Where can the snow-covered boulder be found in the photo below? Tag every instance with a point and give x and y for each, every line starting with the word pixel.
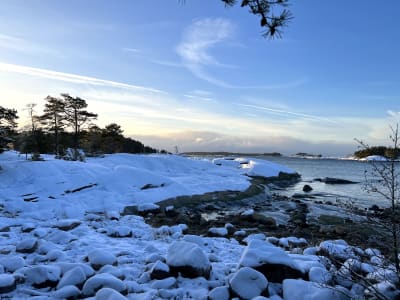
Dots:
pixel 219 293
pixel 303 290
pixel 217 231
pixel 119 231
pixel 67 292
pixel 188 259
pixel 28 245
pixel 248 283
pixel 65 267
pixel 163 284
pixel 338 250
pixel 319 275
pixel 159 270
pixel 7 283
pixel 270 260
pixel 93 284
pixel 75 276
pixel 109 294
pixel 99 258
pixel 43 276
pixel 12 263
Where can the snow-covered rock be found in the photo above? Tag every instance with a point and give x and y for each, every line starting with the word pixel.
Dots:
pixel 98 258
pixel 28 245
pixel 270 260
pixel 218 231
pixel 43 275
pixel 67 292
pixel 165 283
pixel 159 270
pixel 248 283
pixel 12 263
pixel 219 293
pixel 303 290
pixel 93 284
pixel 7 283
pixel 319 275
pixel 119 231
pixel 76 276
pixel 188 259
pixel 109 294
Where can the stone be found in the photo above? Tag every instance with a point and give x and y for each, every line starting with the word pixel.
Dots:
pixel 99 281
pixel 303 290
pixel 76 276
pixel 99 258
pixel 7 283
pixel 219 293
pixel 28 245
pixel 307 188
pixel 272 261
pixel 43 276
pixel 248 283
pixel 159 271
pixel 67 224
pixel 188 259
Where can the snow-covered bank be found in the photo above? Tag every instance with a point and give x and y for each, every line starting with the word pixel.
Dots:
pixel 62 236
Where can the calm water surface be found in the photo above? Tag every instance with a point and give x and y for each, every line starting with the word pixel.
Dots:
pixel 310 169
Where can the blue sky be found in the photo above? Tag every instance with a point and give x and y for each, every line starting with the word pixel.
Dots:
pixel 200 76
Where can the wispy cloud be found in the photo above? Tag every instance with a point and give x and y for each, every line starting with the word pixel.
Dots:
pixel 394 114
pixel 22 45
pixel 73 78
pixel 195 51
pixel 287 113
pixel 131 50
pixel 197 41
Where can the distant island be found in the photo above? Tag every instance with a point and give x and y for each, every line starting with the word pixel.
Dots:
pixel 224 153
pixel 387 152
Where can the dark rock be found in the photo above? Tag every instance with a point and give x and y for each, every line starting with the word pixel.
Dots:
pixel 67 224
pixel 151 186
pixel 5 229
pixel 265 220
pixel 130 210
pixel 307 188
pixel 331 180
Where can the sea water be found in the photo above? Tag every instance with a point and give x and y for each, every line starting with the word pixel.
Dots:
pixel 352 170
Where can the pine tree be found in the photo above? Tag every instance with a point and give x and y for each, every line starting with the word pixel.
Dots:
pixel 7 124
pixel 54 119
pixel 76 117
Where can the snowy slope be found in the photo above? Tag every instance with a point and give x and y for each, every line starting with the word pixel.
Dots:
pixel 76 245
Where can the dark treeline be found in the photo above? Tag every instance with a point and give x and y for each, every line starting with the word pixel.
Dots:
pixel 378 150
pixel 65 124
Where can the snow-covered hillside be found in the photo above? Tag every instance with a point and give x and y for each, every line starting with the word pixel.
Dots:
pixel 62 237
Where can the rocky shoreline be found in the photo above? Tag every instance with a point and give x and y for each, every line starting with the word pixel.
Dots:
pixel 261 209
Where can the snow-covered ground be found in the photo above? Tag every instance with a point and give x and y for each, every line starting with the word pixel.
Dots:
pixel 62 236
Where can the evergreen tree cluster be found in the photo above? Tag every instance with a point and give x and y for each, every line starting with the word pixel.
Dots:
pixel 65 124
pixel 387 152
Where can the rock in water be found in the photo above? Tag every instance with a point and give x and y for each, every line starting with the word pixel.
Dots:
pixel 307 188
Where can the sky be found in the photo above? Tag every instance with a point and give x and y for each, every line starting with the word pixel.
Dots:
pixel 200 76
